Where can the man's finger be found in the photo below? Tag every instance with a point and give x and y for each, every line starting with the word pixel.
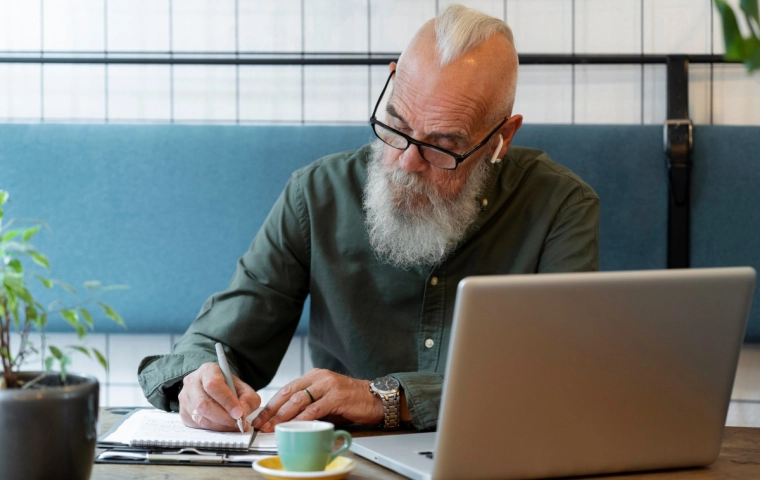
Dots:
pixel 315 411
pixel 207 406
pixel 216 387
pixel 298 402
pixel 195 420
pixel 249 399
pixel 279 399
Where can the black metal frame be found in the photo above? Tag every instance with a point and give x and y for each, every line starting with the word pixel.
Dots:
pixel 309 58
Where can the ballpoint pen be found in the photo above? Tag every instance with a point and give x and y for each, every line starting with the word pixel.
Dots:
pixel 222 358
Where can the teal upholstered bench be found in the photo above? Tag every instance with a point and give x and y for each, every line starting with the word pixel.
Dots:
pixel 168 209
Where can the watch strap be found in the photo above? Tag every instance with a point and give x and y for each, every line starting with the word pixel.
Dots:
pixel 391 408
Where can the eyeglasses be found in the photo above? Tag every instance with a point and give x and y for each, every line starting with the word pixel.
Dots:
pixel 436 156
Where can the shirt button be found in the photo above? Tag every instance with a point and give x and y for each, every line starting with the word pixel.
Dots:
pixel 429 343
pixel 434 281
pixel 484 202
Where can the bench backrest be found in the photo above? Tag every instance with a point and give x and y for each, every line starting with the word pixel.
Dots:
pixel 168 209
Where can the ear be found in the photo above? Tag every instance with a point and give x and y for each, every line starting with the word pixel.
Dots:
pixel 508 131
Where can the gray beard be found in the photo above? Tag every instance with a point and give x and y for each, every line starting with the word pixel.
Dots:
pixel 405 236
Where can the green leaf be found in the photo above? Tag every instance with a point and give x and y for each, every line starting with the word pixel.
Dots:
pixel 3 197
pixel 43 320
pixel 8 236
pixel 86 316
pixel 49 363
pixel 81 331
pixel 16 266
pixel 752 54
pixel 111 313
pixel 45 281
pixel 39 259
pixel 29 232
pixel 101 358
pixel 8 289
pixel 92 285
pixel 70 316
pixel 731 34
pixel 65 361
pixel 750 9
pixel 56 352
pixel 15 288
pixel 81 349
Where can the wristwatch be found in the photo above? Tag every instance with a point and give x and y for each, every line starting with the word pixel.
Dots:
pixel 389 391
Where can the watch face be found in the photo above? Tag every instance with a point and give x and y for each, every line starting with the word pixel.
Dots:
pixel 386 384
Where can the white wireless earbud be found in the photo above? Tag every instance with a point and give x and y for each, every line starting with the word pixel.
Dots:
pixel 495 158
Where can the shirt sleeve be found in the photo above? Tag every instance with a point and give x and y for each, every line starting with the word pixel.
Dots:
pixel 423 396
pixel 572 244
pixel 255 317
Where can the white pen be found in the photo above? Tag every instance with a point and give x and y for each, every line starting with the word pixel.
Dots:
pixel 222 358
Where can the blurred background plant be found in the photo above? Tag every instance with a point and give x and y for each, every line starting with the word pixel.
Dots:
pixel 20 313
pixel 740 48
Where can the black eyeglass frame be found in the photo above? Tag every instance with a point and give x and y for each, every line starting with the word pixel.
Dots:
pixel 410 141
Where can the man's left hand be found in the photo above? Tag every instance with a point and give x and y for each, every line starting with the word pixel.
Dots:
pixel 336 396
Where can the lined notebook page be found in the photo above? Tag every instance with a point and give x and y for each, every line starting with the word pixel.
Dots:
pixel 156 428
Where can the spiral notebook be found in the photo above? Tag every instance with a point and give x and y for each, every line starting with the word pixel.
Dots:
pixel 150 428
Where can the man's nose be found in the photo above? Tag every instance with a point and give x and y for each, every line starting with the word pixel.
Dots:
pixel 411 161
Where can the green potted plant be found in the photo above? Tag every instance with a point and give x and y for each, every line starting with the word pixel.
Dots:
pixel 48 419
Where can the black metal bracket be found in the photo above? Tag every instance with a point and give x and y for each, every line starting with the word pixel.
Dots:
pixel 678 143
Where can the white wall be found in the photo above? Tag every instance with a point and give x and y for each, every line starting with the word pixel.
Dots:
pixel 719 94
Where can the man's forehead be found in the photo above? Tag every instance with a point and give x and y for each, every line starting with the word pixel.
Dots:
pixel 455 134
pixel 433 100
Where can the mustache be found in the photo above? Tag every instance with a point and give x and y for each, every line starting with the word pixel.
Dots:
pixel 410 186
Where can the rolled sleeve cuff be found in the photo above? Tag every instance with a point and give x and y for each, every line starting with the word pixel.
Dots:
pixel 423 397
pixel 159 375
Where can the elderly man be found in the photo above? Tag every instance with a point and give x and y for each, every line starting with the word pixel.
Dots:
pixel 380 237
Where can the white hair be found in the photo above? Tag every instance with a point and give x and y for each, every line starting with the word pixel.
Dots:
pixel 403 235
pixel 459 29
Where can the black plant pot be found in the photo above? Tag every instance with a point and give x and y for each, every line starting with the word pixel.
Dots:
pixel 50 431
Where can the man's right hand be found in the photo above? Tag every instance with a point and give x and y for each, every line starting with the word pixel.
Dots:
pixel 207 402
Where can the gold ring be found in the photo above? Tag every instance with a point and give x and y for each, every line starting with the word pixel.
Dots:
pixel 309 394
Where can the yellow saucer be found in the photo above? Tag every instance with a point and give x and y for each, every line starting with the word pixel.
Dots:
pixel 271 468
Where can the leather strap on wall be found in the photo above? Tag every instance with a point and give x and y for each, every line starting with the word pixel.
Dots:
pixel 678 145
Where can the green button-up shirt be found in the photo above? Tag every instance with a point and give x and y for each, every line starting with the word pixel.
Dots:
pixel 369 318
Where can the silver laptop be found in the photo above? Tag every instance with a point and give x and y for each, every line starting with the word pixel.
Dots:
pixel 581 374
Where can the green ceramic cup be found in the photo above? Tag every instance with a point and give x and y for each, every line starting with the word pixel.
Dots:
pixel 308 446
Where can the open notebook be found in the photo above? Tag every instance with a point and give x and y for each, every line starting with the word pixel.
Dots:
pixel 158 429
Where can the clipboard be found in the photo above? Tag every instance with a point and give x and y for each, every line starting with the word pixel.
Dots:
pixel 107 452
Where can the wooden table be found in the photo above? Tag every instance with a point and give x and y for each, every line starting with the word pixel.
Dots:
pixel 739 460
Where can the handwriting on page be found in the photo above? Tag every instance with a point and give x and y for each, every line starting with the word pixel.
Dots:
pixel 167 429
